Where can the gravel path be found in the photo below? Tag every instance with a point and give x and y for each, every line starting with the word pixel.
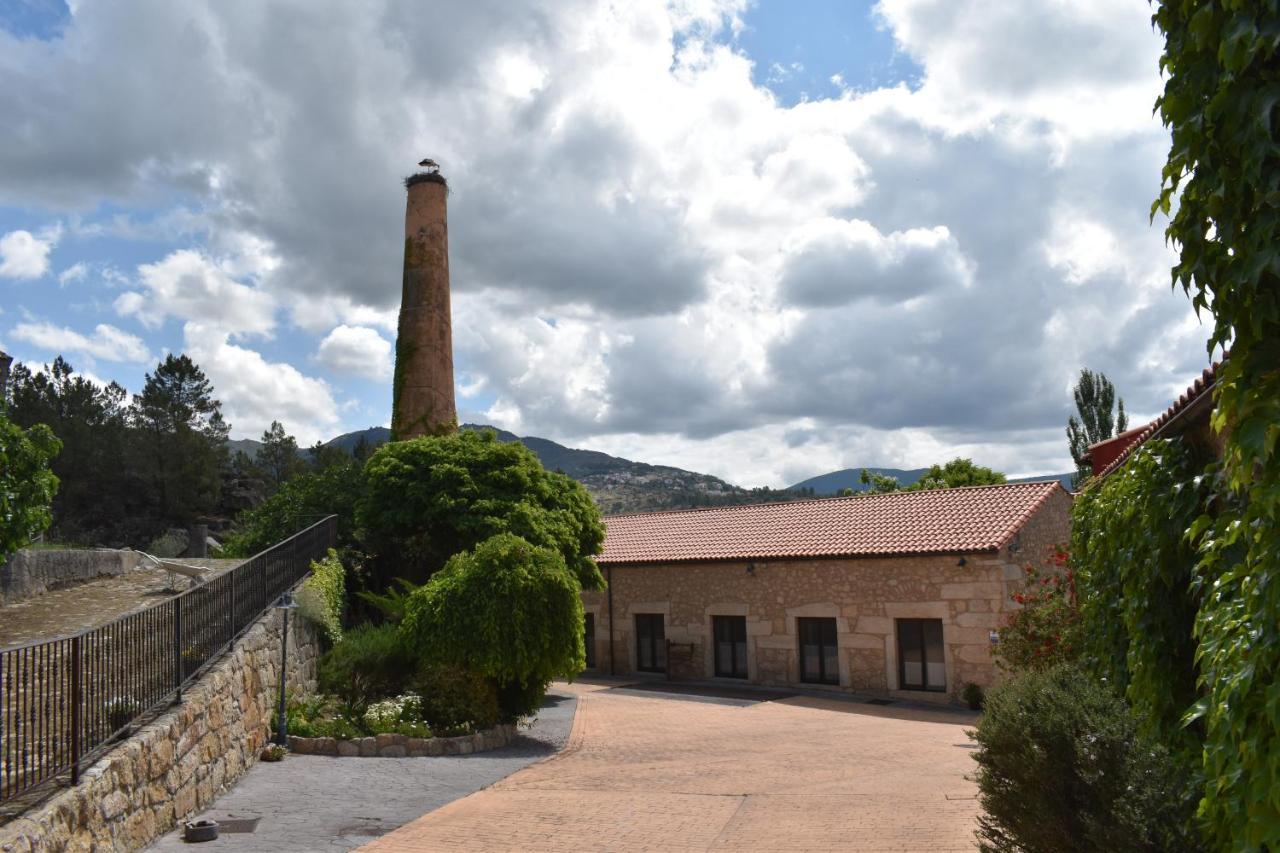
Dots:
pixel 309 802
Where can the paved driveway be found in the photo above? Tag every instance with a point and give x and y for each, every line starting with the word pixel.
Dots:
pixel 645 770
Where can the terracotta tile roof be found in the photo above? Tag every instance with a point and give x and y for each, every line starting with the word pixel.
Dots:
pixel 1199 395
pixel 979 518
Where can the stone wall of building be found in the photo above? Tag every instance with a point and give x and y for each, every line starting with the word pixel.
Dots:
pixel 865 596
pixel 34 572
pixel 176 765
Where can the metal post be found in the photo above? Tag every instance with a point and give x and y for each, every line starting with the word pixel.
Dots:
pixel 177 650
pixel 282 729
pixel 76 700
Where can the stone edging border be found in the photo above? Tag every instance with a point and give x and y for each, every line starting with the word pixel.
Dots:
pixel 403 746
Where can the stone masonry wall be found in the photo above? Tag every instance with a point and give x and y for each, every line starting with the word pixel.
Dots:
pixel 865 596
pixel 34 572
pixel 177 765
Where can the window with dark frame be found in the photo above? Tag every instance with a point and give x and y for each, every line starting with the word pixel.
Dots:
pixel 651 643
pixel 819 658
pixel 589 639
pixel 921 664
pixel 730 646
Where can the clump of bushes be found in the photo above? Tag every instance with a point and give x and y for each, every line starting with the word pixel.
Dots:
pixel 322 596
pixel 371 662
pixel 1063 767
pixel 508 610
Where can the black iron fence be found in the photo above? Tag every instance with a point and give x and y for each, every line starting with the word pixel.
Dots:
pixel 64 702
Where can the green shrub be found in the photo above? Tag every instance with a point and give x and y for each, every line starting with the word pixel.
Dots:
pixel 1062 767
pixel 1045 630
pixel 974 696
pixel 435 496
pixel 508 610
pixel 322 597
pixel 371 662
pixel 452 697
pixel 390 604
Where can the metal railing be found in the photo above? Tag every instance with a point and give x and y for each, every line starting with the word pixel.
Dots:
pixel 64 702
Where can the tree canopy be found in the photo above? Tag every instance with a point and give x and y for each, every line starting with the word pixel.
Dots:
pixel 951 475
pixel 1098 420
pixel 506 609
pixel 27 485
pixel 431 497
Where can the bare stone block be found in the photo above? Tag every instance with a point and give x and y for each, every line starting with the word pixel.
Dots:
pixel 394 750
pixel 326 746
pixel 368 747
pixel 114 804
pixel 348 748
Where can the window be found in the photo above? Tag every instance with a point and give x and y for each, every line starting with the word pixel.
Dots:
pixel 819 660
pixel 920 662
pixel 651 643
pixel 589 639
pixel 731 645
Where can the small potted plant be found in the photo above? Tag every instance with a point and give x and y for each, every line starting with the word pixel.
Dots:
pixel 973 696
pixel 272 752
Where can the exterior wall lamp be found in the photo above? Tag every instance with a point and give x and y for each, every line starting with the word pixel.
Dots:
pixel 284 605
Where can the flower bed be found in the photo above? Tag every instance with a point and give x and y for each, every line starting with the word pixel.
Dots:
pixel 404 746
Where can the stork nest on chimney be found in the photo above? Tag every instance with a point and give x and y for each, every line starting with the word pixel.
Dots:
pixel 425 177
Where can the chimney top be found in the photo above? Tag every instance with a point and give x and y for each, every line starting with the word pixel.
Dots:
pixel 431 175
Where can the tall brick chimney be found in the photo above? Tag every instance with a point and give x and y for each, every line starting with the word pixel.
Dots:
pixel 422 402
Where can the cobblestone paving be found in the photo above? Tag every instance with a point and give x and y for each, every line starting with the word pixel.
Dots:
pixel 310 802
pixel 652 771
pixel 75 608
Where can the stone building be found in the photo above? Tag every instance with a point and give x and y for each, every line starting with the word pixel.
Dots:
pixel 898 594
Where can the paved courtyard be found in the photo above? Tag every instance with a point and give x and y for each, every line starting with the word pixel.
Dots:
pixel 647 770
pixel 311 802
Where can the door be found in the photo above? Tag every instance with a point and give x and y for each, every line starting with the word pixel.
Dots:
pixel 731 646
pixel 651 643
pixel 921 664
pixel 819 658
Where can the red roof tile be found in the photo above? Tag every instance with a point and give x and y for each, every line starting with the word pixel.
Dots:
pixel 979 518
pixel 1199 394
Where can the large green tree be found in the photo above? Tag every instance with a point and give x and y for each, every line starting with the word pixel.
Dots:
pixel 27 484
pixel 278 458
pixel 1096 405
pixel 432 497
pixel 1221 103
pixel 183 440
pixel 99 496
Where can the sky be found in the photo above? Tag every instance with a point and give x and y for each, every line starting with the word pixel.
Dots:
pixel 762 240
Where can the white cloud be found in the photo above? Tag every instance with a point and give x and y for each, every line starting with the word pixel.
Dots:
pixel 255 391
pixel 648 251
pixel 26 255
pixel 75 272
pixel 107 342
pixel 356 350
pixel 188 285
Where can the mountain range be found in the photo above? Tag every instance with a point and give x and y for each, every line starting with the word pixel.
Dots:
pixel 622 485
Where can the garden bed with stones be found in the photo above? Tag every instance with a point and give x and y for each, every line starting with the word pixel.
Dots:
pixel 403 746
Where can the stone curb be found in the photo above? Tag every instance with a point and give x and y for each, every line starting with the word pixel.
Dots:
pixel 403 746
